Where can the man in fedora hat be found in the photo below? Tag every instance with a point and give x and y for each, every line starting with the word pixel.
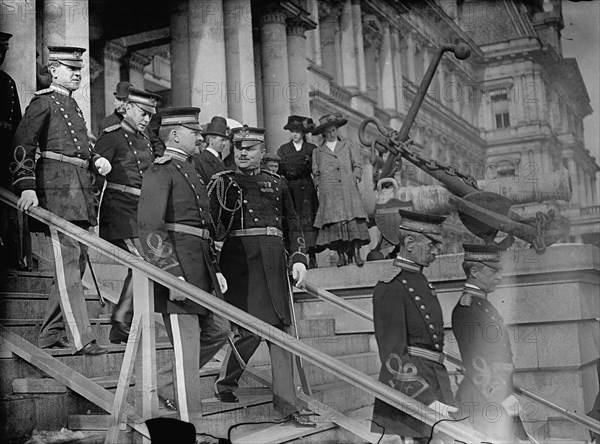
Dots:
pixel 176 234
pixel 14 234
pixel 337 170
pixel 255 209
pixel 63 177
pixel 127 147
pixel 209 162
pixel 409 330
pixel 487 358
pixel 296 167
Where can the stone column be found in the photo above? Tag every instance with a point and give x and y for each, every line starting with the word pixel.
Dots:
pixel 348 46
pixel 589 190
pixel 298 68
pixel 455 94
pixel 397 62
pixel 66 23
pixel 314 36
pixel 113 55
pixel 241 88
pixel 410 56
pixel 329 30
pixel 388 92
pixel 275 77
pixel 360 46
pixel 574 181
pixel 137 63
pixel 180 54
pixel 581 188
pixel 19 19
pixel 208 76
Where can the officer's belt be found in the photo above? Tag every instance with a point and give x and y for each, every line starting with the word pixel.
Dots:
pixel 67 159
pixel 426 354
pixel 267 231
pixel 202 233
pixel 124 188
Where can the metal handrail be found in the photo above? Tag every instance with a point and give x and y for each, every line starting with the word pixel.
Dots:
pixel 584 421
pixel 234 314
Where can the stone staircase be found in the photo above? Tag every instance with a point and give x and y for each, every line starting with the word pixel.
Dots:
pixel 23 299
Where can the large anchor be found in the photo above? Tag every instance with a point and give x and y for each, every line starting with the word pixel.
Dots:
pixel 483 213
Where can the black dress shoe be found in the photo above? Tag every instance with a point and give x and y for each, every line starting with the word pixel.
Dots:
pixel 61 343
pixel 168 403
pixel 228 397
pixel 119 332
pixel 92 348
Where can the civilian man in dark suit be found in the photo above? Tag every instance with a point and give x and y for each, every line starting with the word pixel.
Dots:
pixel 209 161
pixel 63 177
pixel 484 343
pixel 409 329
pixel 176 235
pixel 128 149
pixel 253 206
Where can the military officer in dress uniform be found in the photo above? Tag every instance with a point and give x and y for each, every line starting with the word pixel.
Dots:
pixel 409 330
pixel 253 206
pixel 17 245
pixel 484 343
pixel 209 161
pixel 175 234
pixel 63 177
pixel 128 149
pixel 121 98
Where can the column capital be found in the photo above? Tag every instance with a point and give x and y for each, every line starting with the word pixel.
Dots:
pixel 138 61
pixel 272 15
pixel 330 10
pixel 296 27
pixel 114 52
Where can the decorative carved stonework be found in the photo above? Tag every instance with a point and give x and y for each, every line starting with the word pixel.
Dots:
pixel 296 27
pixel 330 10
pixel 138 61
pixel 114 52
pixel 272 15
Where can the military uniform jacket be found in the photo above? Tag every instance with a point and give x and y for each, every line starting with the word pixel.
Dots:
pixel 116 118
pixel 10 116
pixel 173 193
pixel 484 343
pixel 130 154
pixel 256 266
pixel 207 164
pixel 54 121
pixel 406 313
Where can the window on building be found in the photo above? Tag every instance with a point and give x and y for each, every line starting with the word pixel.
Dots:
pixel 500 105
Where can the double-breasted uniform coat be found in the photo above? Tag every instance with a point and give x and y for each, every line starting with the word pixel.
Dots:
pixel 484 343
pixel 173 193
pixel 409 330
pixel 296 167
pixel 255 266
pixel 54 122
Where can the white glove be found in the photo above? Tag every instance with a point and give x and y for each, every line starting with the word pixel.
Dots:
pixel 511 405
pixel 103 166
pixel 442 409
pixel 298 273
pixel 222 282
pixel 174 295
pixel 28 199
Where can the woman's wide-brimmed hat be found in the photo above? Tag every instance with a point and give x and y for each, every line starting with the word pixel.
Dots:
pixel 327 120
pixel 299 123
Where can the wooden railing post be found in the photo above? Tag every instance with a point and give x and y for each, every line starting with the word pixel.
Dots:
pixel 146 399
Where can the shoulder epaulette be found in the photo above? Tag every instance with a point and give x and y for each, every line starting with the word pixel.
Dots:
pixel 271 173
pixel 221 173
pixel 111 128
pixel 161 160
pixel 44 91
pixel 466 299
pixel 391 274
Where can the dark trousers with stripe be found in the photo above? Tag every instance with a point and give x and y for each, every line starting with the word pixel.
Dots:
pixel 123 311
pixel 195 340
pixel 66 301
pixel 282 369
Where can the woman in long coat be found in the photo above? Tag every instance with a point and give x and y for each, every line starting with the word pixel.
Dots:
pixel 337 170
pixel 296 167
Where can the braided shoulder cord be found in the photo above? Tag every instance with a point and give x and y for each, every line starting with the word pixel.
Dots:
pixel 221 190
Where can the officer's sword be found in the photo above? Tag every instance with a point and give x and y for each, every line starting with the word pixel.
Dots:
pixel 305 385
pixel 100 297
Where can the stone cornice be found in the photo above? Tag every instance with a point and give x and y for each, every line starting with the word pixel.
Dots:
pixel 138 61
pixel 114 52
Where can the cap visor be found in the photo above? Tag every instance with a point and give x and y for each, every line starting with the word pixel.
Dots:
pixel 193 126
pixel 148 109
pixel 249 143
pixel 72 63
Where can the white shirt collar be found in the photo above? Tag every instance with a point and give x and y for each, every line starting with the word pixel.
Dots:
pixel 213 152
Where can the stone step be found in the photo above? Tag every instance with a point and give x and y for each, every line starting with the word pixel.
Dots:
pixel 24 282
pixel 33 305
pixel 367 363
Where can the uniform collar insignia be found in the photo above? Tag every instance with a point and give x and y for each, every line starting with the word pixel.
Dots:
pixel 469 292
pixel 61 89
pixel 176 153
pixel 405 264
